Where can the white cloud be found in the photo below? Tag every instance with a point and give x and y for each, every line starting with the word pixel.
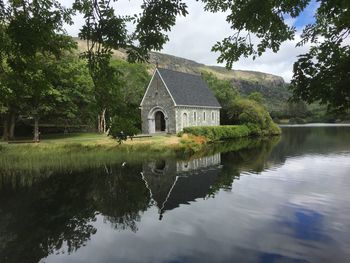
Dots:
pixel 194 35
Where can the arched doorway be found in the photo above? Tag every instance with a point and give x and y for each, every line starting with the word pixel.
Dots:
pixel 159 121
pixel 184 120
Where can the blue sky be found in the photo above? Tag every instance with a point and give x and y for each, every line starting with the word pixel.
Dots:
pixel 307 16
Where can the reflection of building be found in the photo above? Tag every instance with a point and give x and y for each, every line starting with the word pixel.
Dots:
pixel 172 183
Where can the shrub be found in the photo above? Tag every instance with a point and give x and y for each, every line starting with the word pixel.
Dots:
pixel 256 96
pixel 122 128
pixel 255 116
pixel 225 132
pixel 274 129
pixel 191 143
pixel 215 133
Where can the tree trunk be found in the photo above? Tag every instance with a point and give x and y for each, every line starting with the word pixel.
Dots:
pixel 36 129
pixel 12 126
pixel 98 123
pixel 102 121
pixel 5 133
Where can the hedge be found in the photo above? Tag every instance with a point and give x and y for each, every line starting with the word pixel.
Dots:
pixel 224 132
pixel 215 133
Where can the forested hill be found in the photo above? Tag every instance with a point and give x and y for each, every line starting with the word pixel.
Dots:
pixel 272 87
pixel 274 90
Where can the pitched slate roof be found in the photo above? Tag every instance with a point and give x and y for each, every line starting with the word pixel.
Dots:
pixel 188 89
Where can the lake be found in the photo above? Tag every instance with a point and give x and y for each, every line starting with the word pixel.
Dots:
pixel 284 199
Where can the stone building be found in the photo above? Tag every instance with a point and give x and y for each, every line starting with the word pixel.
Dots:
pixel 174 100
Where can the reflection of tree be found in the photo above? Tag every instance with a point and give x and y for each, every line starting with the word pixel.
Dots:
pixel 120 195
pixel 222 147
pixel 253 158
pixel 38 220
pixel 293 139
pixel 308 140
pixel 57 213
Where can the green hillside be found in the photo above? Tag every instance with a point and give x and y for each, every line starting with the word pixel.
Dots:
pixel 273 88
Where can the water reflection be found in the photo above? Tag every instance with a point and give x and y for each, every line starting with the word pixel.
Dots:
pixel 273 201
pixel 172 183
pixel 302 140
pixel 59 211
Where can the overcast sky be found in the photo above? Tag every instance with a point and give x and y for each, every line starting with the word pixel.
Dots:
pixel 193 36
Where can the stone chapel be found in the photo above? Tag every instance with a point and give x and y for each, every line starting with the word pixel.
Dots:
pixel 174 100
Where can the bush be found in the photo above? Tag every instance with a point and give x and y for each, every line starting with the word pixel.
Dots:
pixel 122 128
pixel 255 116
pixel 225 132
pixel 215 133
pixel 191 143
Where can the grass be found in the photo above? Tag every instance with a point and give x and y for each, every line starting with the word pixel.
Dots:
pixel 61 144
pixel 96 140
pixel 80 150
pixel 76 152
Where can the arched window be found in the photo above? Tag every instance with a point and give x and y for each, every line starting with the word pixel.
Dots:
pixel 184 120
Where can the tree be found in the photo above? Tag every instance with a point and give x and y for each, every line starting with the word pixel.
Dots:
pixel 224 92
pixel 35 30
pixel 4 70
pixel 320 75
pixel 256 96
pixel 104 31
pixel 323 74
pixel 297 109
pixel 134 79
pixel 73 100
pixel 122 128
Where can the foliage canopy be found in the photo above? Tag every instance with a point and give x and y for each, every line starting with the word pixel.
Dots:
pixel 320 75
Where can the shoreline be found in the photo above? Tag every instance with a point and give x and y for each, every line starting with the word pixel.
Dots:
pixel 85 151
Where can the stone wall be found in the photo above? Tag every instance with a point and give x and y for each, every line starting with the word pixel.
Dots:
pixel 157 98
pixel 196 116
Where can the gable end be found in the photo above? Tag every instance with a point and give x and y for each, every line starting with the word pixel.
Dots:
pixel 155 74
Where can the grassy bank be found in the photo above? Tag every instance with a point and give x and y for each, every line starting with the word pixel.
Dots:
pixel 89 149
pixel 94 140
pixel 82 151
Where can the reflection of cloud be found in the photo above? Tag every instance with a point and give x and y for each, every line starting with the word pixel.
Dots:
pixel 271 258
pixel 243 225
pixel 306 224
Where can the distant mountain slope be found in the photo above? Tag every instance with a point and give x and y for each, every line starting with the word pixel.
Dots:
pixel 273 87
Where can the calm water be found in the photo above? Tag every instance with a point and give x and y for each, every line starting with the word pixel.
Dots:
pixel 281 200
